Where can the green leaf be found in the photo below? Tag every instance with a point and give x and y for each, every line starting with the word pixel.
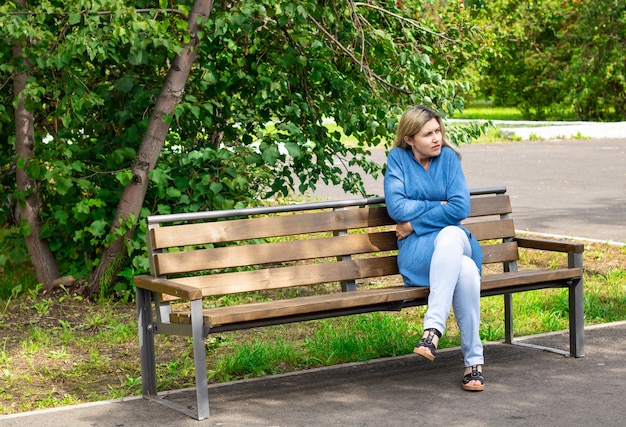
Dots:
pixel 216 187
pixel 74 18
pixel 25 228
pixel 163 209
pixel 173 192
pixel 195 110
pixel 137 57
pixel 98 228
pixel 125 84
pixel 293 149
pixel 271 155
pixel 124 177
pixel 158 177
pixel 62 184
pixel 61 216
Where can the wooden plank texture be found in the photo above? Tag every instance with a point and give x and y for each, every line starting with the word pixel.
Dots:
pixel 303 305
pixel 539 278
pixel 489 230
pixel 169 287
pixel 273 226
pixel 500 252
pixel 307 222
pixel 277 252
pixel 326 303
pixel 550 245
pixel 298 275
pixel 490 205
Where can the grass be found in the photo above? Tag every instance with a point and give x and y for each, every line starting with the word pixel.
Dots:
pixel 483 110
pixel 57 349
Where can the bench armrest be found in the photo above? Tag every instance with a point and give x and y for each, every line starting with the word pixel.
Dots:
pixel 550 245
pixel 167 287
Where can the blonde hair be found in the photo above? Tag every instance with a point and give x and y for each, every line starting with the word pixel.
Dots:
pixel 412 122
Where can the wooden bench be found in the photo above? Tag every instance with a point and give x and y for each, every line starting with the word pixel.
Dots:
pixel 340 244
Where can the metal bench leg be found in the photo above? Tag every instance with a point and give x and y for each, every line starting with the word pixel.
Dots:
pixel 199 359
pixel 146 343
pixel 508 305
pixel 576 316
pixel 576 310
pixel 508 318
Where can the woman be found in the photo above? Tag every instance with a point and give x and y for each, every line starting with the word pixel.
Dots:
pixel 427 195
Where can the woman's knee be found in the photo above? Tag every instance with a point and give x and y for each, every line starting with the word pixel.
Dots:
pixel 466 299
pixel 469 276
pixel 451 234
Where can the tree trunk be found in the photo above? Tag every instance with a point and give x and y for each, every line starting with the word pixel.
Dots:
pixel 132 198
pixel 41 256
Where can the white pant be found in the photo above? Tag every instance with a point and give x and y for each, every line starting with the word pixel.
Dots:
pixel 455 281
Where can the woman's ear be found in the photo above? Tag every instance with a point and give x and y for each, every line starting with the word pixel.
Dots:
pixel 407 139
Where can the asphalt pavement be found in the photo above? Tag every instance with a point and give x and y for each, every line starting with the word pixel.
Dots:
pixel 561 187
pixel 524 387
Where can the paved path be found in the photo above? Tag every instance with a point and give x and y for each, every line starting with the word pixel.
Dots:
pixel 566 187
pixel 525 387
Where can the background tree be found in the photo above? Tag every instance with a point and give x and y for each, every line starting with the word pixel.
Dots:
pixel 27 196
pixel 557 59
pixel 274 89
pixel 80 114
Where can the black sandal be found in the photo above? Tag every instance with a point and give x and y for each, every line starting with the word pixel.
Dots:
pixel 475 375
pixel 427 342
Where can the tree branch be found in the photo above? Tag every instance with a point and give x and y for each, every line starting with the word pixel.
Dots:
pixel 354 58
pixel 403 18
pixel 105 12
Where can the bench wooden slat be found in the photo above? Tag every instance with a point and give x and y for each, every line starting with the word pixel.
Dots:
pixel 266 253
pixel 550 245
pixel 537 278
pixel 239 256
pixel 487 230
pixel 298 275
pixel 169 287
pixel 490 205
pixel 303 305
pixel 501 252
pixel 273 226
pixel 266 279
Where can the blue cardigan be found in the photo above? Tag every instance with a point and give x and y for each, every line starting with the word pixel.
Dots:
pixel 414 194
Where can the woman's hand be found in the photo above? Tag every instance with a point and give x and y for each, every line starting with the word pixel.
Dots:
pixel 403 230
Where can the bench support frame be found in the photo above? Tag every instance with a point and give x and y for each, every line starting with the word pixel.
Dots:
pixel 148 327
pixel 576 315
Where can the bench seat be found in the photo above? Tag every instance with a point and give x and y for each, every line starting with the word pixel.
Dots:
pixel 390 298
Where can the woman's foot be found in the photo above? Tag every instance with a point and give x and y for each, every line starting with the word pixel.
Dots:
pixel 473 379
pixel 427 347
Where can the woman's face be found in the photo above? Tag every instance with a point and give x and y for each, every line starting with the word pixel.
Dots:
pixel 427 142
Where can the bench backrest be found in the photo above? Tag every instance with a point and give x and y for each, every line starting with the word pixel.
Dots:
pixel 274 248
